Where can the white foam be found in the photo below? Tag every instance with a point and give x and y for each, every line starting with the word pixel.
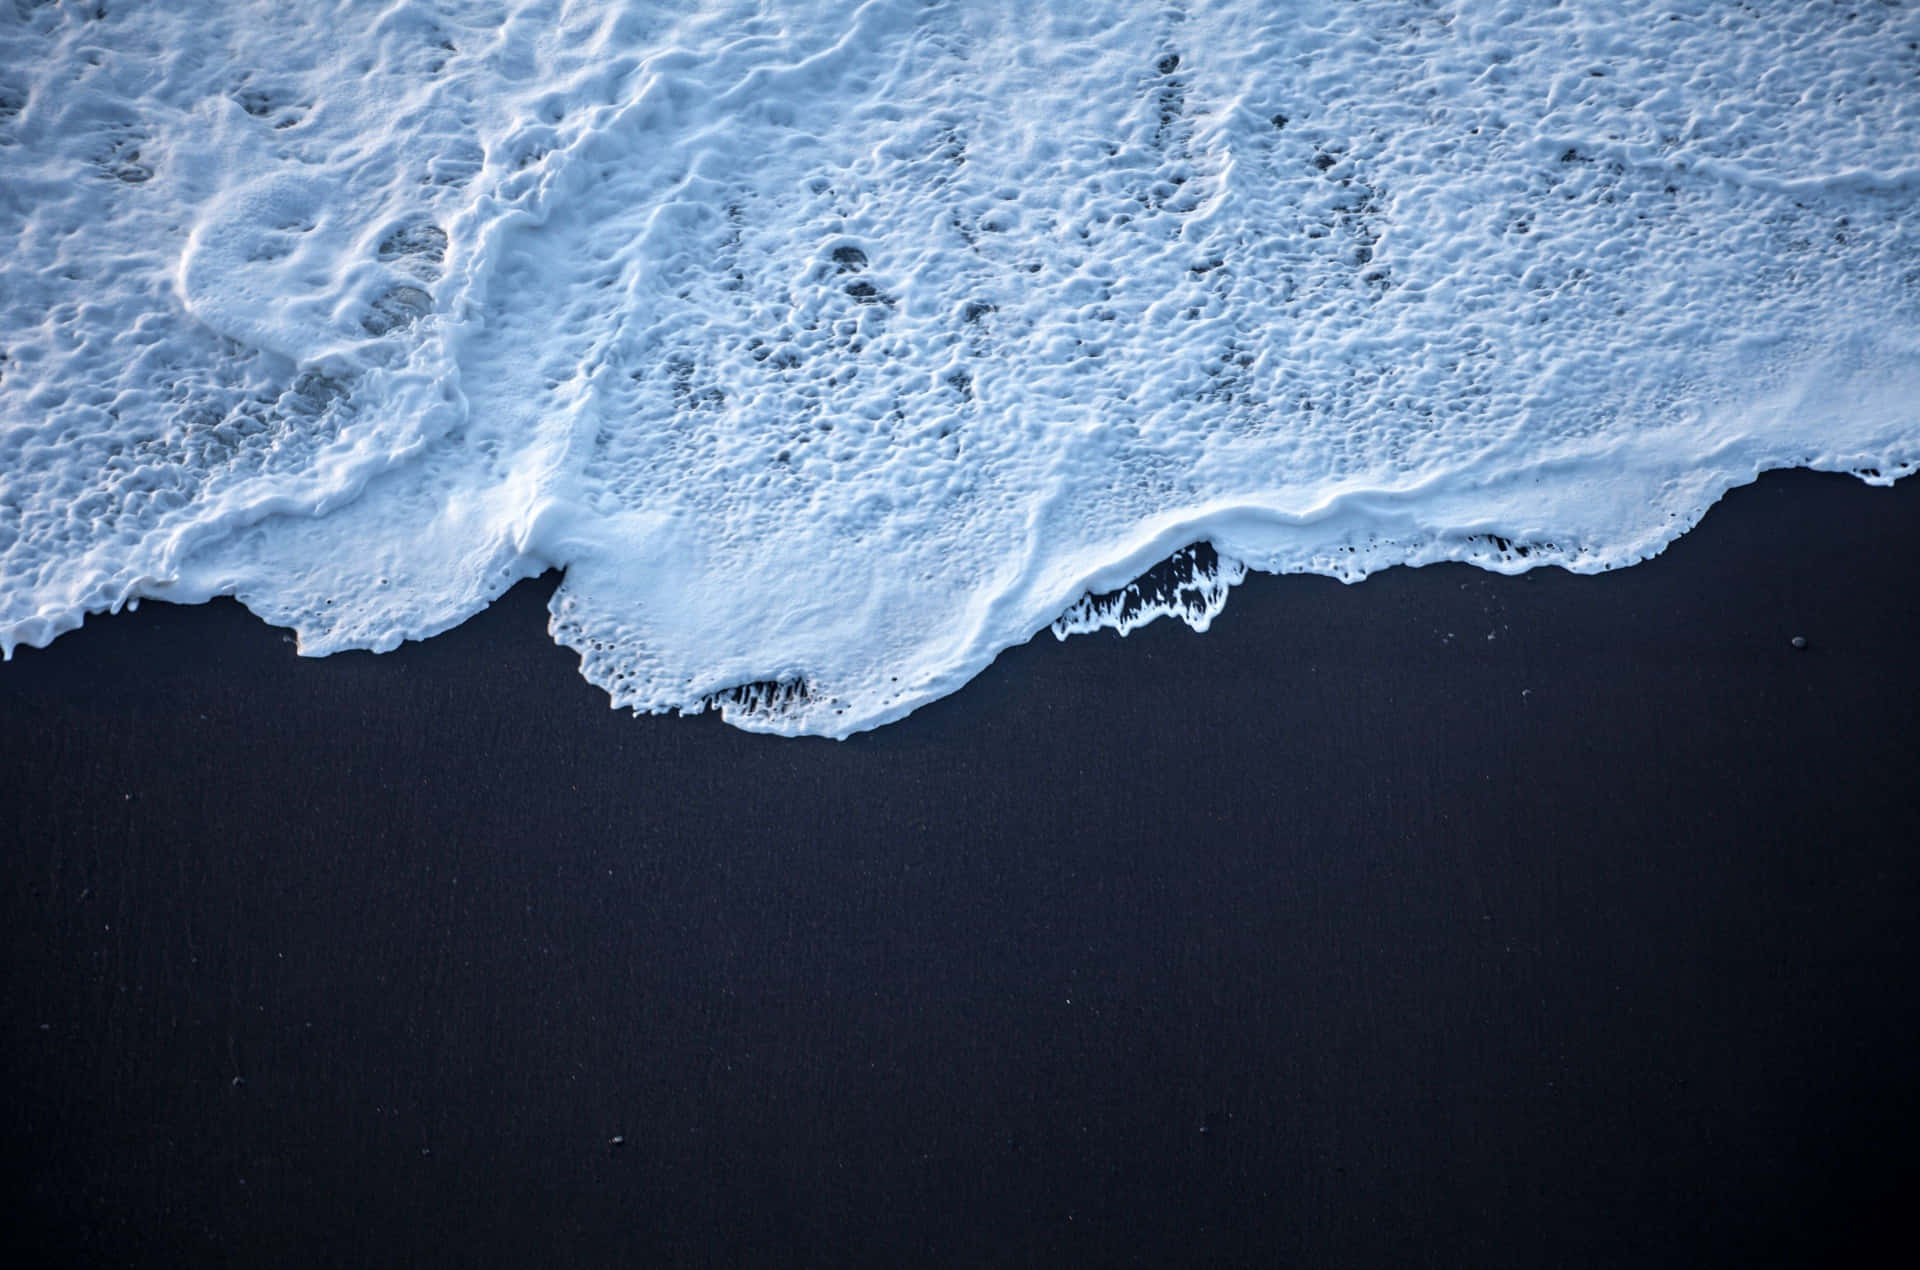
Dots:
pixel 832 349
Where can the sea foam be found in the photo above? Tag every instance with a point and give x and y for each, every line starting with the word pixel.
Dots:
pixel 830 349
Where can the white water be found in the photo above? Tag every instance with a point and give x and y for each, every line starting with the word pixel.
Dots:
pixel 833 348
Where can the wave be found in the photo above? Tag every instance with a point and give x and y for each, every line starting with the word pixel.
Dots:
pixel 831 349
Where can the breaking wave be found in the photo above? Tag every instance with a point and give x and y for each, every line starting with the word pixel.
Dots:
pixel 831 349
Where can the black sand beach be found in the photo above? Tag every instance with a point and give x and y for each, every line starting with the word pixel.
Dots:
pixel 1445 920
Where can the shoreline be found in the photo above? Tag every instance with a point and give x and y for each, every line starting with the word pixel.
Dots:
pixel 1169 562
pixel 1445 918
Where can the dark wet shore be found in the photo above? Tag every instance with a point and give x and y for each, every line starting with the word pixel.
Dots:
pixel 1444 920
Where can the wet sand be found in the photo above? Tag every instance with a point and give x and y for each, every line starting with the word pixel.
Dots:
pixel 1447 919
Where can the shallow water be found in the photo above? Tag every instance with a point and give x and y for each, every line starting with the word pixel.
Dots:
pixel 831 349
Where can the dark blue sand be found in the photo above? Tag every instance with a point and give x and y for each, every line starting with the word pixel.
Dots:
pixel 1341 935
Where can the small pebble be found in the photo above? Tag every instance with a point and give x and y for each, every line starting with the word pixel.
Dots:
pixel 1799 641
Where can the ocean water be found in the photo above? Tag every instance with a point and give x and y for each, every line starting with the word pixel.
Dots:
pixel 831 348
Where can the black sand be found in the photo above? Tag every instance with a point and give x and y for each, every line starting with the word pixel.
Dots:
pixel 1444 920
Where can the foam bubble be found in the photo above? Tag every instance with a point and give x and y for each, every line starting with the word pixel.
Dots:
pixel 830 351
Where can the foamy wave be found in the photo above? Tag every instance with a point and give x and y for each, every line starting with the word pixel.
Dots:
pixel 831 350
